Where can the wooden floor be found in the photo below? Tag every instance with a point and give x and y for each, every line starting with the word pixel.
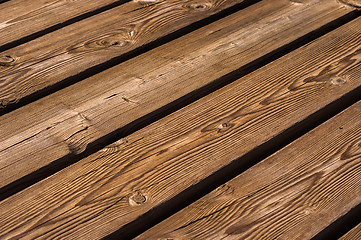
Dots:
pixel 177 119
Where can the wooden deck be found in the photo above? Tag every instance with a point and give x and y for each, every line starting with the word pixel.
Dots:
pixel 177 119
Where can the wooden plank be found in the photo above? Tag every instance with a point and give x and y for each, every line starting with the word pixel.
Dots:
pixel 355 4
pixel 21 18
pixel 107 190
pixel 353 234
pixel 50 59
pixel 65 123
pixel 293 194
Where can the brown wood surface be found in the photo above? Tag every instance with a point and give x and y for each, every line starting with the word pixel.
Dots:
pixel 353 234
pixel 20 18
pixel 47 60
pixel 293 194
pixel 355 4
pixel 105 191
pixel 64 123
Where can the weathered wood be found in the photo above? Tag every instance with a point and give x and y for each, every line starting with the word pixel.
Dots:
pixel 354 4
pixel 293 194
pixel 105 191
pixel 353 234
pixel 64 123
pixel 21 18
pixel 47 60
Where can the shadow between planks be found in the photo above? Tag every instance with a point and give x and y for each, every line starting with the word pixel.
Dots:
pixel 292 194
pixel 353 234
pixel 113 41
pixel 347 227
pixel 321 90
pixel 129 54
pixel 23 21
pixel 68 101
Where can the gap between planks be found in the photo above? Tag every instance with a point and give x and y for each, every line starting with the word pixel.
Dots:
pixel 124 181
pixel 65 123
pixel 22 20
pixel 60 58
pixel 353 234
pixel 343 226
pixel 293 194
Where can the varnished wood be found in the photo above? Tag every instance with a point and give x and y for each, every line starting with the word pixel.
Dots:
pixel 293 194
pixel 20 18
pixel 353 234
pixel 64 123
pixel 50 59
pixel 105 191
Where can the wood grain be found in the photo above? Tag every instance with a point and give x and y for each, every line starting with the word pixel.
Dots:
pixel 65 123
pixel 355 4
pixel 68 51
pixel 101 193
pixel 353 234
pixel 20 18
pixel 293 194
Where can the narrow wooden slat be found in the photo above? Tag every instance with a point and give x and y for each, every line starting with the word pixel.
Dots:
pixel 20 18
pixel 65 123
pixel 293 194
pixel 50 59
pixel 353 234
pixel 105 191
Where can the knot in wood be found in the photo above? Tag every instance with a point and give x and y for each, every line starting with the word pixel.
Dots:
pixel 200 6
pixel 112 42
pixel 137 199
pixel 122 38
pixel 224 127
pixel 338 80
pixel 6 60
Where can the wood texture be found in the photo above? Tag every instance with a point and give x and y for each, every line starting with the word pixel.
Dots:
pixel 355 4
pixel 293 194
pixel 47 60
pixel 20 18
pixel 105 191
pixel 353 234
pixel 64 123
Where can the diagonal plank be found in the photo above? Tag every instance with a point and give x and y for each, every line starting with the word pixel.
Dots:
pixel 65 123
pixel 293 194
pixel 115 186
pixel 47 60
pixel 20 18
pixel 353 234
